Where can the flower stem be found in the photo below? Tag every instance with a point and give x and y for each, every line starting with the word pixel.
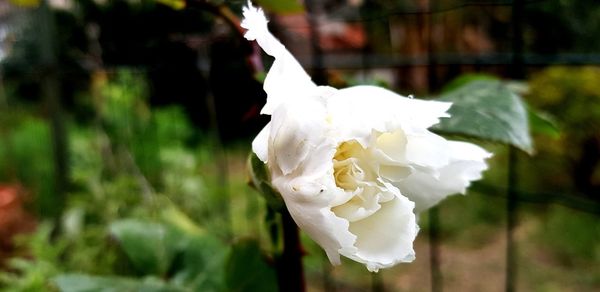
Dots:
pixel 290 272
pixel 377 283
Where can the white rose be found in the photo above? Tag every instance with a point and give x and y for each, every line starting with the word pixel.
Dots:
pixel 354 165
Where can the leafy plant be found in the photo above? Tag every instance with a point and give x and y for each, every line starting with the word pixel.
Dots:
pixel 574 238
pixel 32 274
pixel 487 109
pixel 26 156
pixel 183 255
pixel 572 95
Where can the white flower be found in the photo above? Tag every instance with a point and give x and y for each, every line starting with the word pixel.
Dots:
pixel 354 165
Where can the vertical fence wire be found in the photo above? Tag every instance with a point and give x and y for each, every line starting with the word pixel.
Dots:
pixel 511 221
pixel 434 222
pixel 318 74
pixel 517 72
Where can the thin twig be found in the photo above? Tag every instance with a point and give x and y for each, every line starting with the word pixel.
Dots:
pixel 220 10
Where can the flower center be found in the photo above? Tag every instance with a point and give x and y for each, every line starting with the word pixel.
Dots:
pixel 366 175
pixel 347 170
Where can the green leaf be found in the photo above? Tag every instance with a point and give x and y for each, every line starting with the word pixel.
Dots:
pixel 542 123
pixel 247 269
pixel 195 258
pixel 178 220
pixel 487 109
pixel 149 246
pixel 201 264
pixel 281 6
pixel 464 79
pixel 257 168
pixel 88 283
pixel 174 4
pixel 261 182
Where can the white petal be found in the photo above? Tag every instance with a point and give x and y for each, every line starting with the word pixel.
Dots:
pixel 297 129
pixel 359 207
pixel 256 22
pixel 467 151
pixel 286 80
pixel 307 200
pixel 386 237
pixel 366 202
pixel 392 146
pixel 466 164
pixel 356 111
pixel 427 150
pixel 260 144
pixel 394 172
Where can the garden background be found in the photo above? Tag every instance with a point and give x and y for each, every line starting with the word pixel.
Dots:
pixel 125 127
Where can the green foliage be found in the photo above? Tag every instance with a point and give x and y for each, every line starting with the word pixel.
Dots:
pixel 26 156
pixel 25 3
pixel 573 237
pixel 204 265
pixel 174 4
pixel 127 120
pixel 539 122
pixel 262 183
pixel 247 270
pixel 172 126
pixel 81 283
pixel 32 274
pixel 281 6
pixel 465 79
pixel 542 123
pixel 149 246
pixel 570 94
pixel 175 249
pixel 200 264
pixel 488 110
pixel 470 220
pixel 110 183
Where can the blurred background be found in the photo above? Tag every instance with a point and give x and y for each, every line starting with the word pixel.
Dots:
pixel 125 128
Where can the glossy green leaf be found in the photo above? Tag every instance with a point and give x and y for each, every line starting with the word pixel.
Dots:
pixel 195 258
pixel 149 246
pixel 200 264
pixel 488 110
pixel 464 79
pixel 542 123
pixel 247 269
pixel 261 182
pixel 88 283
pixel 281 6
